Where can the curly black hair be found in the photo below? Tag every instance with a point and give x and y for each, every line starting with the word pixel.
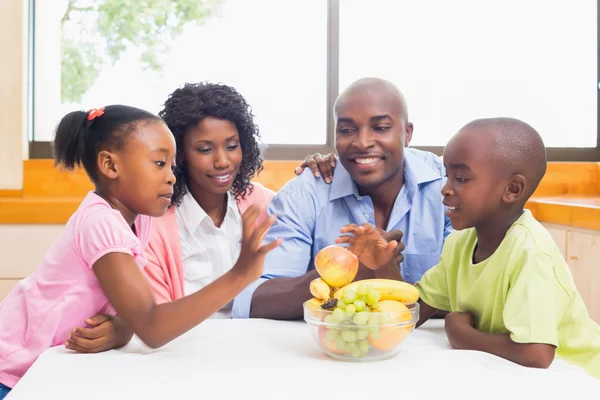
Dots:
pixel 190 104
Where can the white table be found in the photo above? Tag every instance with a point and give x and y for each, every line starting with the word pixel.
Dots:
pixel 262 359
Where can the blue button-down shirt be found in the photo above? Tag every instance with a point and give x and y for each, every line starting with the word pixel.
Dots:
pixel 310 214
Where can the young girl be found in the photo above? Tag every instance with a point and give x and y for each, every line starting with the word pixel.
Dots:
pixel 198 238
pixel 95 266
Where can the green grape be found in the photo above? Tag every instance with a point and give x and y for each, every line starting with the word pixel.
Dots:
pixel 373 320
pixel 350 310
pixel 341 305
pixel 339 315
pixel 355 353
pixel 362 290
pixel 361 318
pixel 362 334
pixel 363 345
pixel 351 346
pixel 372 298
pixel 359 305
pixel 340 343
pixel 349 336
pixel 330 319
pixel 349 296
pixel 331 335
pixel 375 334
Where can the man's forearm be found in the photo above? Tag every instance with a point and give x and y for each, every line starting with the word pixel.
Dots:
pixel 390 271
pixel 282 298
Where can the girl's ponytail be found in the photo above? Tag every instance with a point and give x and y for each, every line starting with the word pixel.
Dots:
pixel 69 143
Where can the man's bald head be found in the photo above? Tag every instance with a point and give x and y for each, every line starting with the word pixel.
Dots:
pixel 374 86
pixel 514 147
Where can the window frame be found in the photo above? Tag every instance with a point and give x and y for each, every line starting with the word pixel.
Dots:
pixel 42 149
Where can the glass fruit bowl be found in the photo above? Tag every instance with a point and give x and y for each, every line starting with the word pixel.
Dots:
pixel 361 335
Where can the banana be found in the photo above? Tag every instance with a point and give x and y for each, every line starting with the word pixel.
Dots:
pixel 388 288
pixel 320 289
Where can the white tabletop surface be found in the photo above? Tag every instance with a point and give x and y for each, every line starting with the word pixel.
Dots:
pixel 262 359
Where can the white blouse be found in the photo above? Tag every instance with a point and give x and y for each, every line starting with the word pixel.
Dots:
pixel 208 252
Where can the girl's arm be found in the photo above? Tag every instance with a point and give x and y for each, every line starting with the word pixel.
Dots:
pixel 126 288
pixel 129 292
pixel 105 332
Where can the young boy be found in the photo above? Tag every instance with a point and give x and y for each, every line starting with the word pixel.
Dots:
pixel 507 287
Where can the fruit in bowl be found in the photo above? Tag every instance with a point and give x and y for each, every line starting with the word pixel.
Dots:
pixel 364 320
pixel 336 265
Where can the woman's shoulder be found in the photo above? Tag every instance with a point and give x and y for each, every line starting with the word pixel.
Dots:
pixel 257 194
pixel 260 191
pixel 164 226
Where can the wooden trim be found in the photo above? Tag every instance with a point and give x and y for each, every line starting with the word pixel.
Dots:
pixel 37 210
pixel 41 178
pixel 9 193
pixel 51 196
pixel 581 178
pixel 568 195
pixel 580 212
pixel 598 172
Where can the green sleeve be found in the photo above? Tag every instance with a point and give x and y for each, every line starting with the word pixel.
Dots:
pixel 535 302
pixel 433 287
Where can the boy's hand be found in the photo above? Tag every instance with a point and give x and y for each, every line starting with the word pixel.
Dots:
pixel 371 248
pixel 455 324
pixel 105 333
pixel 320 166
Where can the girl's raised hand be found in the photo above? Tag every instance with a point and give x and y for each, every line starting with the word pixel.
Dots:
pixel 252 255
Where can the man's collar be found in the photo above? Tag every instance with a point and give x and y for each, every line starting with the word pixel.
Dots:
pixel 342 184
pixel 416 171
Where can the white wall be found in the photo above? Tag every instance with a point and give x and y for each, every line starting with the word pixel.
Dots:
pixel 22 248
pixel 13 90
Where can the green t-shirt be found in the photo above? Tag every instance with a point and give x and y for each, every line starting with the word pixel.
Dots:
pixel 524 289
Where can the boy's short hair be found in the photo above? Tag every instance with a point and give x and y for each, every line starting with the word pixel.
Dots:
pixel 516 146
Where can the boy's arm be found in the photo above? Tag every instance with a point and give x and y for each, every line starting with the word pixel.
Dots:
pixel 463 335
pixel 433 292
pixel 535 304
pixel 425 312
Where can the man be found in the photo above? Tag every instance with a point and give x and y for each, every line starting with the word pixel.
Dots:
pixel 377 180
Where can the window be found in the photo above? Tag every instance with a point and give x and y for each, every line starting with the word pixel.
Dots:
pixel 454 60
pixel 274 53
pixel 459 60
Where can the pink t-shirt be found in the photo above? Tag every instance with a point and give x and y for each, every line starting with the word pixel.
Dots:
pixel 63 291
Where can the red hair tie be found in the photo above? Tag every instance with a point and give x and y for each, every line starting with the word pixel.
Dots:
pixel 95 112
